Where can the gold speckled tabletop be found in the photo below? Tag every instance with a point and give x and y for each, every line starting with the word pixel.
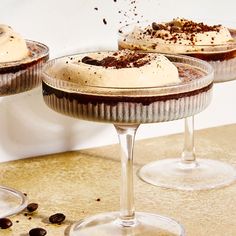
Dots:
pixel 72 182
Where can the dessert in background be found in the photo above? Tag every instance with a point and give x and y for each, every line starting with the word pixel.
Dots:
pixel 21 62
pixel 216 44
pixel 178 36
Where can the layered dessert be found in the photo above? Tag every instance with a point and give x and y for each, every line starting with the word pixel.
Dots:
pixel 216 44
pixel 127 86
pixel 20 62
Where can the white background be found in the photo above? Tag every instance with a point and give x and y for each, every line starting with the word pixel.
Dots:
pixel 29 128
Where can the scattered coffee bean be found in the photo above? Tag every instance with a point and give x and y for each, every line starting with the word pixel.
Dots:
pixel 5 223
pixel 37 232
pixel 98 199
pixel 57 218
pixel 32 207
pixel 25 214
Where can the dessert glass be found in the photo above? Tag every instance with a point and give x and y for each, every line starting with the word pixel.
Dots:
pixel 187 172
pixel 126 109
pixel 17 77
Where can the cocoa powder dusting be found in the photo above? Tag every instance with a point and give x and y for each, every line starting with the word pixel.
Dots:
pixel 129 13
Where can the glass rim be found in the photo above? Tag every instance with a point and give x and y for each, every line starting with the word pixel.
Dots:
pixel 43 53
pixel 126 27
pixel 73 87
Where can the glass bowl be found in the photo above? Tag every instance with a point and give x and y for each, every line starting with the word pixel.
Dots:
pixel 17 77
pixel 186 172
pixel 131 105
pixel 127 108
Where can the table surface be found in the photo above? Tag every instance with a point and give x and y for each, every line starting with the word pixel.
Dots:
pixel 72 182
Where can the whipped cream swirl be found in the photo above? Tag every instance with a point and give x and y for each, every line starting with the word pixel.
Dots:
pixel 177 36
pixel 12 46
pixel 116 69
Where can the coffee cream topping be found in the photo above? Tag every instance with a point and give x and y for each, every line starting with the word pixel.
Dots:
pixel 116 69
pixel 178 36
pixel 12 46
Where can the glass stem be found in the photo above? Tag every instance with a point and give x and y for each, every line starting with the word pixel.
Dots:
pixel 188 154
pixel 126 134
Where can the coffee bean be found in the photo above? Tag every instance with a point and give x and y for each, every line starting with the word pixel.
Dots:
pixel 37 232
pixel 57 218
pixel 32 207
pixel 5 223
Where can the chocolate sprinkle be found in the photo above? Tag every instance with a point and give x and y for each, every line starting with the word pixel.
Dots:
pixel 104 21
pixel 173 30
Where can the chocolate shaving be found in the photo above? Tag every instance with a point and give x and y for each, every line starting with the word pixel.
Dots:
pixel 185 26
pixel 91 61
pixel 156 26
pixel 104 21
pixel 176 27
pixel 128 60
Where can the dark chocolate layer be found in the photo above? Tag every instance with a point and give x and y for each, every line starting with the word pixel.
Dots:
pixel 113 100
pixel 216 56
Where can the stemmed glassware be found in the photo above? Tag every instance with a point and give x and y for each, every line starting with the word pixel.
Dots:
pixel 17 77
pixel 127 108
pixel 188 172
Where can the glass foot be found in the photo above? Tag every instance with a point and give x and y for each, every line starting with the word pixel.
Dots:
pixel 203 174
pixel 108 224
pixel 11 201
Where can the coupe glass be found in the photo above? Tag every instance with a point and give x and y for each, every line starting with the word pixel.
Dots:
pixel 186 172
pixel 126 109
pixel 17 77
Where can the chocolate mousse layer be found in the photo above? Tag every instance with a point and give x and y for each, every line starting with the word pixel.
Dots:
pixel 216 56
pixel 113 100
